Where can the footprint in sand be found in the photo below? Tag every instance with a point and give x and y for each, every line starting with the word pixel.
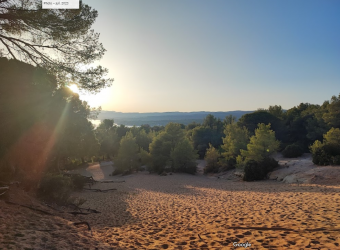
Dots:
pixel 165 246
pixel 292 242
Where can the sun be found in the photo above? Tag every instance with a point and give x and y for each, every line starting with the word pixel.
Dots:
pixel 74 88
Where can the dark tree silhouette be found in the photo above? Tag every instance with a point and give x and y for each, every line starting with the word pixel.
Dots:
pixel 41 125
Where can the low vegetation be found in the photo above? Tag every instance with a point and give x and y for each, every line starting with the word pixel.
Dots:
pixel 58 188
pixel 258 170
pixel 292 151
pixel 328 151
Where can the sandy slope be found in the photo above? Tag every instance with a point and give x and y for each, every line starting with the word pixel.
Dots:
pixel 23 228
pixel 182 211
pixel 303 170
pixel 193 212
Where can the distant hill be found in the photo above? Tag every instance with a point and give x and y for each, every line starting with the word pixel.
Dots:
pixel 153 119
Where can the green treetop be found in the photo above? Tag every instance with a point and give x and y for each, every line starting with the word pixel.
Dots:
pixel 236 138
pixel 262 144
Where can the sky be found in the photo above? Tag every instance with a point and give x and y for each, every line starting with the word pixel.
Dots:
pixel 217 55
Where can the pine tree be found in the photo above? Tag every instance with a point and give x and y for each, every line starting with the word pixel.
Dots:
pixel 262 144
pixel 60 40
pixel 183 157
pixel 127 158
pixel 236 138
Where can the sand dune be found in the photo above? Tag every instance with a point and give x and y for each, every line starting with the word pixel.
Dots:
pixel 183 211
pixel 194 212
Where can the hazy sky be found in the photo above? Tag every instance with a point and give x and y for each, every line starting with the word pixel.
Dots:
pixel 217 55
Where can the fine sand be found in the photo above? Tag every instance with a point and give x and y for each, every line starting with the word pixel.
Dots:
pixel 182 211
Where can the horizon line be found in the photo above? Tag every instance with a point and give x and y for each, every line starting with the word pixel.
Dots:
pixel 177 111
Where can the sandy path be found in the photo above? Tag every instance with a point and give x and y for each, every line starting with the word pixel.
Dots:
pixel 98 171
pixel 195 212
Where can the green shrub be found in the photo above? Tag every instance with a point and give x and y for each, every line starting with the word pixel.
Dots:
pixel 117 171
pixel 227 163
pixel 95 159
pixel 336 160
pixel 201 150
pixel 212 158
pixel 184 157
pixel 127 172
pixel 223 164
pixel 254 170
pixel 269 164
pixel 331 149
pixel 292 151
pixel 189 168
pixel 327 154
pixel 320 157
pixel 78 181
pixel 55 188
pixel 58 188
pixel 211 169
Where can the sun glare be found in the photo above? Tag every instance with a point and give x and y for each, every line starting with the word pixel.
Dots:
pixel 74 88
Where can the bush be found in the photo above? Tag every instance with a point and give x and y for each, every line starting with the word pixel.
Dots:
pixel 55 188
pixel 189 168
pixel 331 149
pixel 145 157
pixel 228 163
pixel 336 160
pixel 201 150
pixel 328 154
pixel 212 158
pixel 211 169
pixel 127 172
pixel 254 170
pixel 58 188
pixel 320 157
pixel 269 164
pixel 292 151
pixel 117 171
pixel 184 157
pixel 78 181
pixel 223 164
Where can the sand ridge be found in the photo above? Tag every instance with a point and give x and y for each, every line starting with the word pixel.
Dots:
pixel 195 212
